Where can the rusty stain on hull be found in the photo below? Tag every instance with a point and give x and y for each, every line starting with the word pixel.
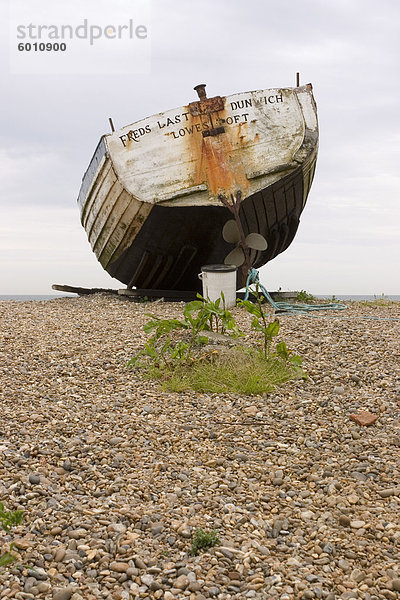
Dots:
pixel 213 152
pixel 217 164
pixel 221 167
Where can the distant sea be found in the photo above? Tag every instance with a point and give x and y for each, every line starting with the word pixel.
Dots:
pixel 358 297
pixel 23 297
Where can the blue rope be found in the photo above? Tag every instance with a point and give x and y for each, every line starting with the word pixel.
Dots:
pixel 285 307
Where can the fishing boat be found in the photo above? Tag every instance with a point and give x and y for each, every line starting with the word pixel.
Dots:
pixel 222 179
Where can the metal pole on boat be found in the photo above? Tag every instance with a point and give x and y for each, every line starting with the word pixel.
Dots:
pixel 297 79
pixel 111 124
pixel 201 91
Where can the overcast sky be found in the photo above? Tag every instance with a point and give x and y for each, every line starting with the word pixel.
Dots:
pixel 348 241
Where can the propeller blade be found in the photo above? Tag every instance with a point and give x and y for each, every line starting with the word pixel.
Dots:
pixel 236 257
pixel 230 232
pixel 256 241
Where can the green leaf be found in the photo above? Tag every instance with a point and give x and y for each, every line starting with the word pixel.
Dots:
pixel 252 308
pixel 273 329
pixel 193 306
pixel 132 361
pixel 282 350
pixel 150 325
pixel 190 309
pixel 178 351
pixel 296 360
pixel 163 326
pixel 150 349
pixel 255 323
pixel 7 559
pixel 166 345
pixel 9 518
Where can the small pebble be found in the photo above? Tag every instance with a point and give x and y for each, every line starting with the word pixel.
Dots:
pixel 63 594
pixel 357 524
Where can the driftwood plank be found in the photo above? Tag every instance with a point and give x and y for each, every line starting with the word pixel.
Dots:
pixel 81 290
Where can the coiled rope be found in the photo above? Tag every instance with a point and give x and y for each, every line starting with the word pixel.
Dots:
pixel 302 309
pixel 253 277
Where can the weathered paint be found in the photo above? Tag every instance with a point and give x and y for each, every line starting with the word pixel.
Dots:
pixel 118 232
pixel 164 158
pixel 110 215
pixel 187 157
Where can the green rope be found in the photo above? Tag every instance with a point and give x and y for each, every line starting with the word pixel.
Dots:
pixel 285 307
pixel 348 317
pixel 303 309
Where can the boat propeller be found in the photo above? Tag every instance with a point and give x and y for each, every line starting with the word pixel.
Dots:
pixel 253 241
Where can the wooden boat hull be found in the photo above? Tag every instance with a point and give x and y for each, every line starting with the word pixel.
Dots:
pixel 153 215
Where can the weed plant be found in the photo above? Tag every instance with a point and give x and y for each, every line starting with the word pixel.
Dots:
pixel 203 540
pixel 173 341
pixel 305 297
pixel 239 370
pixel 9 519
pixel 173 354
pixel 379 301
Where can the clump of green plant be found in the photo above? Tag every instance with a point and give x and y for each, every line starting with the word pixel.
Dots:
pixel 236 370
pixel 9 519
pixel 379 301
pixel 173 340
pixel 268 329
pixel 203 540
pixel 304 297
pixel 174 356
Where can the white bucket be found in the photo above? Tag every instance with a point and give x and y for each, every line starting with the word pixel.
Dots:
pixel 219 279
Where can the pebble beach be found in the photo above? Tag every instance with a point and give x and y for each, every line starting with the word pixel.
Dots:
pixel 115 475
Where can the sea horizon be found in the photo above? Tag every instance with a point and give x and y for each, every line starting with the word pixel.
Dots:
pixel 343 297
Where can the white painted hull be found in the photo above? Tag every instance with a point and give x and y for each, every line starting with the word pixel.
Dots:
pixel 149 200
